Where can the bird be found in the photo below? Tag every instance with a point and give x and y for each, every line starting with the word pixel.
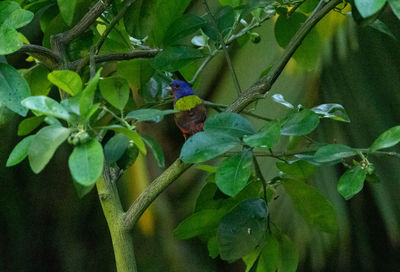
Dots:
pixel 191 113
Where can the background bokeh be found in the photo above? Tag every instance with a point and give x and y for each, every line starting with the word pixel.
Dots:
pixel 44 226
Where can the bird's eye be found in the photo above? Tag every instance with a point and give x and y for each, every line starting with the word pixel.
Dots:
pixel 177 85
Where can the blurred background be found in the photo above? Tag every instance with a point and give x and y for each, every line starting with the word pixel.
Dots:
pixel 44 226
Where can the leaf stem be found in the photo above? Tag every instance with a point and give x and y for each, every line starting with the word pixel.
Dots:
pixel 225 49
pixel 205 62
pixel 223 106
pixel 264 185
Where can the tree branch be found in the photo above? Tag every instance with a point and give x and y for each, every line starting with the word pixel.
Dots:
pixel 217 106
pixel 43 54
pixel 150 53
pixel 253 93
pixel 261 87
pixel 152 191
pixel 85 22
pixel 114 21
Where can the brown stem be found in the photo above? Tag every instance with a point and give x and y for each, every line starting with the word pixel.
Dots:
pixel 86 21
pixel 148 53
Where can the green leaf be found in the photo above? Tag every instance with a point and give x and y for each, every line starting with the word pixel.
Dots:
pixel 352 182
pixel 300 123
pixel 149 114
pixel 86 163
pixel 44 145
pixel 137 71
pixel 20 151
pixel 11 18
pixel 29 124
pixel 205 200
pixel 267 137
pixel 72 104
pixel 133 135
pixel 183 27
pixel 299 169
pixel 129 157
pixel 310 49
pixel 241 230
pixel 10 40
pixel 316 210
pixel 206 145
pixel 175 57
pixel 233 3
pixel 333 152
pixel 13 89
pixel 86 101
pixel 395 5
pixel 156 149
pixel 251 259
pixel 152 18
pixel 387 139
pixel 224 18
pixel 12 15
pixel 381 27
pixel 116 147
pixel 115 90
pixel 270 256
pixel 37 80
pixel 67 81
pixel 289 256
pixel 369 7
pixel 229 123
pixel 46 106
pixel 278 98
pixel 202 222
pixel 82 190
pixel 207 168
pixel 232 175
pixel 332 111
pixel 67 10
pixel 212 246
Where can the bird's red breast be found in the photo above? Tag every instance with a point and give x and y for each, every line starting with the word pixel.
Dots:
pixel 191 121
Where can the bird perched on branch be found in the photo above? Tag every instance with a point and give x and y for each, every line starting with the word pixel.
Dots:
pixel 192 113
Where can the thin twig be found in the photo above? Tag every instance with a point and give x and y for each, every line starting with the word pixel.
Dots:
pixel 223 106
pixel 224 48
pixel 207 60
pixel 150 53
pixel 114 21
pixel 264 185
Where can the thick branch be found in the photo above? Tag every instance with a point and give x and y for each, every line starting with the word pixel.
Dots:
pixel 253 93
pixel 113 212
pixel 45 55
pixel 152 191
pixel 148 53
pixel 85 22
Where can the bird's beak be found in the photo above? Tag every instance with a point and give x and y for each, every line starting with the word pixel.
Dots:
pixel 169 88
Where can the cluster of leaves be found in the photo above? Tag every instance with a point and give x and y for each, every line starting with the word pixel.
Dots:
pixel 231 214
pixel 78 119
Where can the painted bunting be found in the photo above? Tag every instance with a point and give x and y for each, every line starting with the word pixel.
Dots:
pixel 192 113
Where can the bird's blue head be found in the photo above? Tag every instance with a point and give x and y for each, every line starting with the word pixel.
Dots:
pixel 180 89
